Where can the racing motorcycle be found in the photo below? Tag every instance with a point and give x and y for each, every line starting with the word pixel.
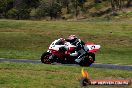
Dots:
pixel 61 54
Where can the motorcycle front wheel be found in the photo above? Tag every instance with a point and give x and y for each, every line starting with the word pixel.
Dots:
pixel 45 58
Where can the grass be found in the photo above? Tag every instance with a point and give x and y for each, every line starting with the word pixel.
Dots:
pixel 13 75
pixel 29 39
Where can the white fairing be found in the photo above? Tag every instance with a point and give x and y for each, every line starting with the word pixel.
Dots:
pixel 93 47
pixel 56 47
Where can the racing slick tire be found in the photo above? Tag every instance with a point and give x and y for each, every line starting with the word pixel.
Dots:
pixel 45 58
pixel 88 60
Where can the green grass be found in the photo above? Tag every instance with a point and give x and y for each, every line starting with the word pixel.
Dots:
pixel 29 39
pixel 13 75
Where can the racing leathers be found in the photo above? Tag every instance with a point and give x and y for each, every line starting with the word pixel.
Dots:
pixel 79 51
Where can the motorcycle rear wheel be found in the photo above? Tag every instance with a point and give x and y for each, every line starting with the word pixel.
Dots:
pixel 88 60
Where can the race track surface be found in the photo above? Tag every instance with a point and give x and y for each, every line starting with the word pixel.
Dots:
pixel 109 66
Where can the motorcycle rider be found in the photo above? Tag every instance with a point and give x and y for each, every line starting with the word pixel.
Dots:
pixel 80 50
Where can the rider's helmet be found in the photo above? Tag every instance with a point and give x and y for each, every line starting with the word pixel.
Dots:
pixel 62 40
pixel 73 39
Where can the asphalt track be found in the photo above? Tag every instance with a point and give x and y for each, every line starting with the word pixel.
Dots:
pixel 95 65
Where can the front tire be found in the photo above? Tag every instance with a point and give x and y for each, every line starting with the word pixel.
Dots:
pixel 45 58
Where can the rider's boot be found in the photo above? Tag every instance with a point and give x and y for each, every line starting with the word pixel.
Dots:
pixel 79 59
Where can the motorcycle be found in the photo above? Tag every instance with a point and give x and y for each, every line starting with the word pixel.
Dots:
pixel 61 54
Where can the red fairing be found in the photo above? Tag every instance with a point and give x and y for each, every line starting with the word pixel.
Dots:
pixel 94 50
pixel 58 54
pixel 71 49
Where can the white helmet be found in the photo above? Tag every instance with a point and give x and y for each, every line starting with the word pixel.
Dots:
pixel 71 37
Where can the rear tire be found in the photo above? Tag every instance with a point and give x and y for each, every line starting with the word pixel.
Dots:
pixel 88 60
pixel 91 57
pixel 45 58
